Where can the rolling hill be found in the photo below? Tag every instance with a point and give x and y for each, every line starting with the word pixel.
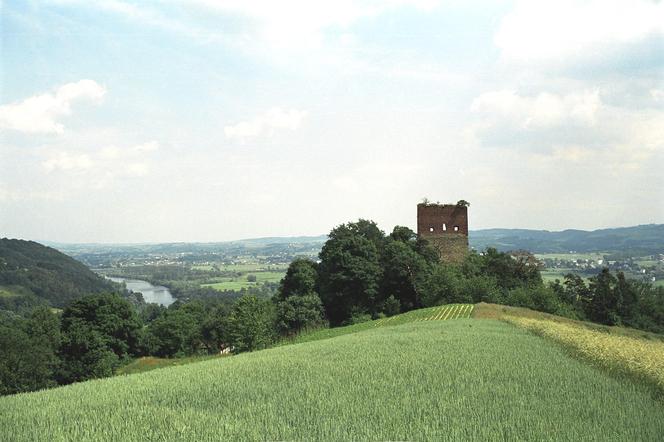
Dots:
pixel 646 239
pixel 427 379
pixel 33 274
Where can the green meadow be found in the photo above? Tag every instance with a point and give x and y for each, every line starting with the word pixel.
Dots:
pixel 240 282
pixel 425 379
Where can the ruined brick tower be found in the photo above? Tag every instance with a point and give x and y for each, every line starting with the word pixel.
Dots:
pixel 445 226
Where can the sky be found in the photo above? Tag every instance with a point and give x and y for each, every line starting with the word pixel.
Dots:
pixel 213 120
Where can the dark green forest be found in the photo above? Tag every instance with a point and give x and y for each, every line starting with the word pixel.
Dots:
pixel 361 274
pixel 32 274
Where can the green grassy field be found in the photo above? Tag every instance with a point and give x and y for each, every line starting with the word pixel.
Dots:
pixel 571 256
pixel 149 363
pixel 646 262
pixel 239 282
pixel 443 312
pixel 464 379
pixel 552 275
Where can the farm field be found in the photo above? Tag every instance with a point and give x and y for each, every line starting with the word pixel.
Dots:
pixel 552 275
pixel 571 256
pixel 244 267
pixel 422 380
pixel 425 314
pixel 240 282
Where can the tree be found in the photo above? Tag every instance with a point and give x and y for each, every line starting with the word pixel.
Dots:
pixel 178 331
pixel 97 332
pixel 605 303
pixel 509 271
pixel 85 354
pixel 28 360
pixel 403 234
pixel 214 331
pixel 111 316
pixel 250 324
pixel 299 312
pixel 298 304
pixel 401 267
pixel 442 284
pixel 482 288
pixel 350 271
pixel 301 279
pixel 626 293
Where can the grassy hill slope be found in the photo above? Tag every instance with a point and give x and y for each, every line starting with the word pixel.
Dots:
pixel 424 380
pixel 31 274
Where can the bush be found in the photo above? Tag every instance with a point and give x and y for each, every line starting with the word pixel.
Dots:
pixel 251 324
pixel 442 284
pixel 299 312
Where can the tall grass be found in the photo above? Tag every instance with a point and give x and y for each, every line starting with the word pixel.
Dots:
pixel 425 380
pixel 640 358
pixel 438 313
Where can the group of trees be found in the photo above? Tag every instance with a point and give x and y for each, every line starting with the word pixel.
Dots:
pixel 365 274
pixel 96 334
pixel 613 300
pixel 89 339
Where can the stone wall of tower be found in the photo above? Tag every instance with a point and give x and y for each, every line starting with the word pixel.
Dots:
pixel 445 226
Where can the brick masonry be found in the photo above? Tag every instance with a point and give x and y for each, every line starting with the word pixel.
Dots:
pixel 445 226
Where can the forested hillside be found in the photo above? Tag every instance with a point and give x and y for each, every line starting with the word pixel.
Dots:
pixel 32 274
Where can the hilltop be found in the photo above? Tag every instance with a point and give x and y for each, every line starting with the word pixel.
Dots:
pixel 33 274
pixel 426 380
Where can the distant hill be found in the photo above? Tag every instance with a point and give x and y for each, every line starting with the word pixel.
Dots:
pixel 189 247
pixel 646 239
pixel 32 274
pixel 286 248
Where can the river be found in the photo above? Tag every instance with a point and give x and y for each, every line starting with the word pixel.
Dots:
pixel 151 293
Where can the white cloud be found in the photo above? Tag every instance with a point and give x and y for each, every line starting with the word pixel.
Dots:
pixel 299 23
pixel 137 169
pixel 40 113
pixel 68 161
pixel 541 111
pixel 576 128
pixel 100 168
pixel 265 124
pixel 13 195
pixel 657 95
pixel 567 30
pixel 545 30
pixel 150 146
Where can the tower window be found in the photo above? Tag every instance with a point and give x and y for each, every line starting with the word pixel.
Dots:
pixel 430 229
pixel 444 227
pixel 456 228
